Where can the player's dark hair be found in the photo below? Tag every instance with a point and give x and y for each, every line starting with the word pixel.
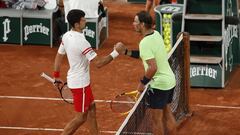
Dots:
pixel 74 16
pixel 145 17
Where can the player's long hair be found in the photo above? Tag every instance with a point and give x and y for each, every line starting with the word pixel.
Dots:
pixel 145 17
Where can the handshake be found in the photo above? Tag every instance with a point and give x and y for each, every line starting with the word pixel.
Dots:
pixel 120 48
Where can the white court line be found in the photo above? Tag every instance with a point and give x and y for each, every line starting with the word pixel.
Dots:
pixel 217 106
pixel 108 101
pixel 32 98
pixel 57 99
pixel 38 129
pixel 44 98
pixel 45 129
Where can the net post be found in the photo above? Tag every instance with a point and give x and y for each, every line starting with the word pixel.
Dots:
pixel 186 43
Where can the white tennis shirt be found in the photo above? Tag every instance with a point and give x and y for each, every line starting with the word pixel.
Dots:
pixel 79 54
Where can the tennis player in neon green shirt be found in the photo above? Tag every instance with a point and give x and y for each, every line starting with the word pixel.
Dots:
pixel 158 73
pixel 152 47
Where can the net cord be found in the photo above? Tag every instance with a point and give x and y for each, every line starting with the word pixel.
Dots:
pixel 175 45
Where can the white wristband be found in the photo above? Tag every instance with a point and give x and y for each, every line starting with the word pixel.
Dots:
pixel 114 54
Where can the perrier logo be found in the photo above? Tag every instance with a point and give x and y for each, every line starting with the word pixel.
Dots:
pixel 6 29
pixel 88 32
pixel 29 29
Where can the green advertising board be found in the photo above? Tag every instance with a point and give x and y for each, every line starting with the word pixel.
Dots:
pixel 10 26
pixel 96 31
pixel 37 27
pixel 203 75
pixel 231 40
pixel 90 32
pixel 36 31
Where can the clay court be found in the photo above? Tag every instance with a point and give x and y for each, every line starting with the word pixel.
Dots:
pixel 29 104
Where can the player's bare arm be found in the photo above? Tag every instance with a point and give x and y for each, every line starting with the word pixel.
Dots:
pixel 57 65
pixel 152 69
pixel 101 61
pixel 58 61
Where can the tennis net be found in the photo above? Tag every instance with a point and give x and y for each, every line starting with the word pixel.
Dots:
pixel 138 121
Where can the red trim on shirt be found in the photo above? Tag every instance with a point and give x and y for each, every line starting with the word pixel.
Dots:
pixel 86 50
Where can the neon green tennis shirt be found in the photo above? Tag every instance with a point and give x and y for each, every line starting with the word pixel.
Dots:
pixel 152 46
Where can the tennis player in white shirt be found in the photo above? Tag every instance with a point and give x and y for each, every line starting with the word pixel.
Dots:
pixel 79 54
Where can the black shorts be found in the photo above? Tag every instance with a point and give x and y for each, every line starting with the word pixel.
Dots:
pixel 158 99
